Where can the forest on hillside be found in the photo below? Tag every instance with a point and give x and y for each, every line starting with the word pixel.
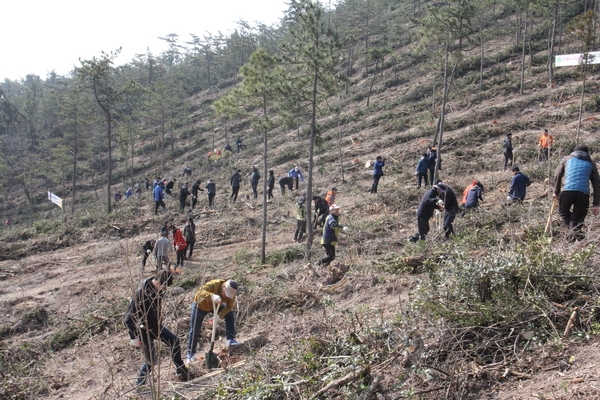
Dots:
pixel 87 130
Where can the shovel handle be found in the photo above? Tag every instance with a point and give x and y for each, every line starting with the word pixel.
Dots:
pixel 554 200
pixel 214 328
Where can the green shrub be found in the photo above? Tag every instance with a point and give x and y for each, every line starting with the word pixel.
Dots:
pixel 284 256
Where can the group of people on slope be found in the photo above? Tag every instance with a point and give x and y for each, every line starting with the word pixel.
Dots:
pixel 144 320
pixel 182 244
pixel 426 167
pixel 161 188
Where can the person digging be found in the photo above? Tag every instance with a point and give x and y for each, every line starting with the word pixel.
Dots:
pixel 330 235
pixel 221 295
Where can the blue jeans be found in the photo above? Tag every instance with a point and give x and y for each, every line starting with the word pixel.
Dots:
pixel 149 350
pixel 196 326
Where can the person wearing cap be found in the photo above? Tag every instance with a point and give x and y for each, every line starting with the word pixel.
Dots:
pixel 518 185
pixel 235 181
pixel 429 203
pixel 144 322
pixel 545 143
pixel 508 150
pixel 330 196
pixel 300 219
pixel 377 173
pixel 450 208
pixel 422 168
pixel 254 178
pixel 195 189
pixel 331 231
pixel 162 248
pixel 183 194
pixel 271 184
pixel 579 170
pixel 296 174
pixel 220 293
pixel 211 190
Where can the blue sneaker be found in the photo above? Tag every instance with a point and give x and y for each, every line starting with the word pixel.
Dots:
pixel 231 342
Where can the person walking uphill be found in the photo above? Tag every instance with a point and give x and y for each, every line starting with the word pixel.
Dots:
pixel 254 178
pixel 235 181
pixel 180 245
pixel 377 173
pixel 183 194
pixel 508 150
pixel 518 185
pixel 143 319
pixel 159 195
pixel 330 235
pixel 578 170
pixel 300 219
pixel 429 203
pixel 450 208
pixel 222 294
pixel 422 168
pixel 211 190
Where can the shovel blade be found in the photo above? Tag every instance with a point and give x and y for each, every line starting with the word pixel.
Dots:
pixel 212 361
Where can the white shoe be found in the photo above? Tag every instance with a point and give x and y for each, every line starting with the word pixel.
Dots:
pixel 190 360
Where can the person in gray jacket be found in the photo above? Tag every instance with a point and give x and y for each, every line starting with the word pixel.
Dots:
pixel 162 248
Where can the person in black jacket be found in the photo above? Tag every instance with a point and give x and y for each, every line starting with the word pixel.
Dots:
pixel 183 194
pixel 271 184
pixel 147 248
pixel 195 188
pixel 450 208
pixel 143 322
pixel 321 211
pixel 211 190
pixel 235 181
pixel 169 187
pixel 189 233
pixel 254 178
pixel 508 150
pixel 286 181
pixel 429 203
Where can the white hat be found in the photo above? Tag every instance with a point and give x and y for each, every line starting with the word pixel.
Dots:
pixel 334 207
pixel 231 288
pixel 296 169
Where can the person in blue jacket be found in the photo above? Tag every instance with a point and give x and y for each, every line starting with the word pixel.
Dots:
pixel 158 194
pixel 331 231
pixel 518 185
pixel 422 168
pixel 578 170
pixel 377 173
pixel 296 174
pixel 474 195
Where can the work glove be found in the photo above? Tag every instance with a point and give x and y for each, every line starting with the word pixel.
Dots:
pixel 136 342
pixel 148 251
pixel 345 229
pixel 440 203
pixel 176 248
pixel 508 198
pixel 215 298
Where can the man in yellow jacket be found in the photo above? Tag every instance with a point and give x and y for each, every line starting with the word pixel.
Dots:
pixel 220 294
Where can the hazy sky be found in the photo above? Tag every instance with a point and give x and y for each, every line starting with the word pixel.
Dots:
pixel 39 36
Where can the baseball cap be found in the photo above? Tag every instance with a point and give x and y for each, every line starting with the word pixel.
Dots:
pixel 231 288
pixel 441 187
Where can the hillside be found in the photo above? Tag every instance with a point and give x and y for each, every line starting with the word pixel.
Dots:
pixel 481 316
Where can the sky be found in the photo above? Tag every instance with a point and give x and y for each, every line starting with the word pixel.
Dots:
pixel 39 36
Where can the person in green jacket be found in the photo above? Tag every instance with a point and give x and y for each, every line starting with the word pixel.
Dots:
pixel 300 219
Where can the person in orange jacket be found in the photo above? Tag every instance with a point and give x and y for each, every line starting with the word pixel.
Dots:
pixel 330 197
pixel 546 142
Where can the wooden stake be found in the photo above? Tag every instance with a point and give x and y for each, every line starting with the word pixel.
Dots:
pixel 554 200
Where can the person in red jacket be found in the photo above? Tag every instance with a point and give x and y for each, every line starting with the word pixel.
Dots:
pixel 180 246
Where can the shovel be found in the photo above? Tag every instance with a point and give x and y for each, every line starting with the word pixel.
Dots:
pixel 211 359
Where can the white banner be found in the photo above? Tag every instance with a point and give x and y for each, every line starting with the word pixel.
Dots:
pixel 55 199
pixel 569 60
